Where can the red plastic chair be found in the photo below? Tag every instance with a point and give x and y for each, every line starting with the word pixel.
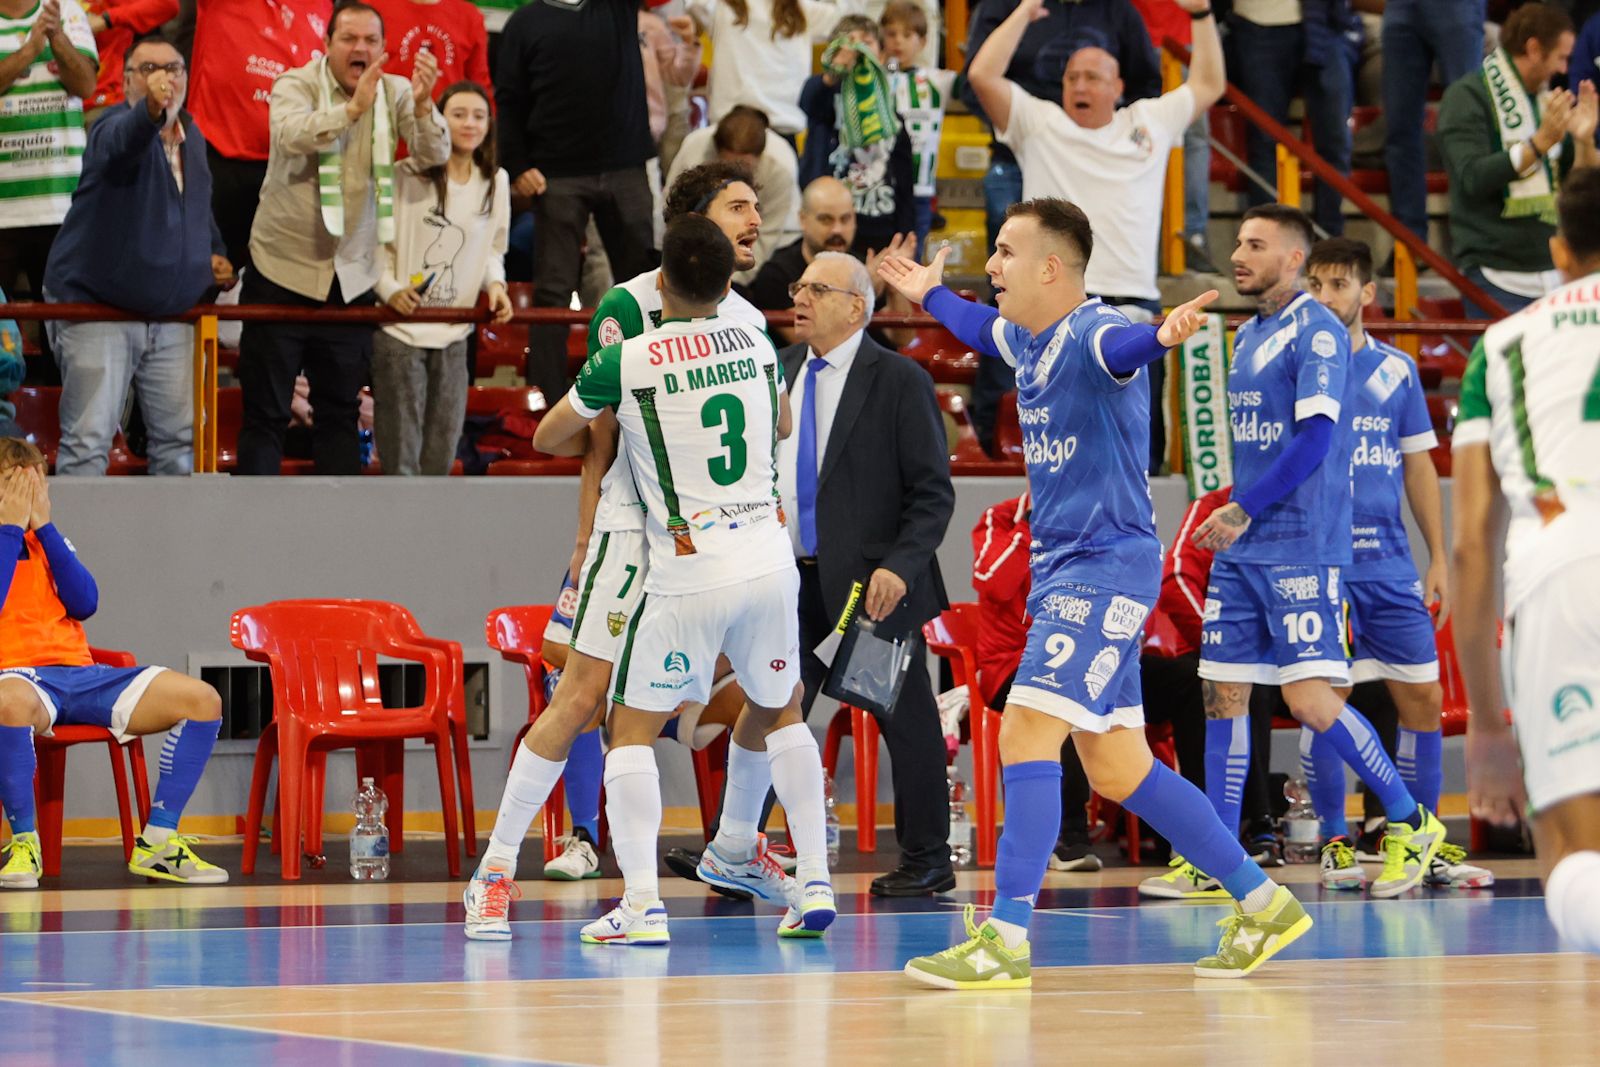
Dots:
pixel 953 636
pixel 517 633
pixel 862 729
pixel 324 665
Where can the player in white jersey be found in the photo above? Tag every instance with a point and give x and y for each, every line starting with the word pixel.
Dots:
pixel 701 405
pixel 1528 436
pixel 610 560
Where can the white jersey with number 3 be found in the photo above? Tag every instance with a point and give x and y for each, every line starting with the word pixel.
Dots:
pixel 697 401
pixel 1532 392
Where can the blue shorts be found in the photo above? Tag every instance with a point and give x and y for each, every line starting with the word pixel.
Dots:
pixel 1081 662
pixel 1394 637
pixel 1272 625
pixel 88 696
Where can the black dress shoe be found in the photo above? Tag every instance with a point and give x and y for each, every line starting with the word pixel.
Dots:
pixel 686 864
pixel 906 881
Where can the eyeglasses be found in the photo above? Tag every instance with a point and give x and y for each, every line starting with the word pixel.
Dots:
pixel 176 69
pixel 818 290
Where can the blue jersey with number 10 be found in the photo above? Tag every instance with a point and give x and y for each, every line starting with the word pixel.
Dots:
pixel 1292 366
pixel 1086 440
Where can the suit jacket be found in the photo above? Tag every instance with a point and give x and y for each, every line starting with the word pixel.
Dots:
pixel 884 496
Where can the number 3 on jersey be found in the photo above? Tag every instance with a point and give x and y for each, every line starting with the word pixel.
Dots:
pixel 726 412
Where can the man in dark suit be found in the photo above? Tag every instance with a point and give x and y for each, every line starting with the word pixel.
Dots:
pixel 873 508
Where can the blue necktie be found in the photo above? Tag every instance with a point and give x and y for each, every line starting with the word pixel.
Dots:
pixel 805 475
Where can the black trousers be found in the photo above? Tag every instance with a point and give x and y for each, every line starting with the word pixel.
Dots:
pixel 235 194
pixel 623 213
pixel 337 362
pixel 912 734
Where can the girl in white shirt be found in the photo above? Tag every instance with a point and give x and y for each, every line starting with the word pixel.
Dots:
pixel 450 242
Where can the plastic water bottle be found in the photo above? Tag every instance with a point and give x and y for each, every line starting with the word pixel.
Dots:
pixel 960 826
pixel 369 841
pixel 1301 829
pixel 830 819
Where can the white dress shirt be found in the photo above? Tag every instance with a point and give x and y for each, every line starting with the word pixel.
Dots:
pixel 830 387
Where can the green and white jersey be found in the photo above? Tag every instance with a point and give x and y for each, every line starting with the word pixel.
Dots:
pixel 41 126
pixel 697 401
pixel 919 96
pixel 629 310
pixel 1532 392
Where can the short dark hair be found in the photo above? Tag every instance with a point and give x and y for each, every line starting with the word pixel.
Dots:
pixel 1354 256
pixel 695 188
pixel 1544 23
pixel 1059 217
pixel 742 131
pixel 1578 212
pixel 142 40
pixel 342 6
pixel 851 23
pixel 1290 218
pixel 696 259
pixel 906 15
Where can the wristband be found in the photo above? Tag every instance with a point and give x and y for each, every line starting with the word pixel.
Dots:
pixel 1198 15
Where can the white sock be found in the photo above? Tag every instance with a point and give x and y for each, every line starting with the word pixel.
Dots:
pixel 1572 900
pixel 797 778
pixel 528 786
pixel 1259 897
pixel 749 778
pixel 155 836
pixel 633 806
pixel 1010 933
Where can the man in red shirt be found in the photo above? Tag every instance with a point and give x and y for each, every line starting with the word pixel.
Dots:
pixel 116 24
pixel 240 48
pixel 451 29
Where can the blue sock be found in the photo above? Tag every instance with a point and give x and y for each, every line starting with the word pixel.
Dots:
pixel 183 758
pixel 1227 763
pixel 1358 745
pixel 1419 756
pixel 1323 767
pixel 17 765
pixel 586 766
pixel 1178 812
pixel 1033 818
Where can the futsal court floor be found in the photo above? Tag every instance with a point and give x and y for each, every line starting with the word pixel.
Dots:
pixel 340 973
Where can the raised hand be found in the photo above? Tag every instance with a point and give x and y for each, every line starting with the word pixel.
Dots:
pixel 424 76
pixel 1585 113
pixel 910 279
pixel 159 93
pixel 1557 110
pixel 1185 320
pixel 16 497
pixel 366 93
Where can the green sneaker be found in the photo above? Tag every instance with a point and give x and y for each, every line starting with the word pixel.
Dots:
pixel 1184 881
pixel 23 869
pixel 1408 854
pixel 981 962
pixel 1250 939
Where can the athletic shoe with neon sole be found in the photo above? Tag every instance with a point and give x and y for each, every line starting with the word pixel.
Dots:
pixel 761 874
pixel 174 860
pixel 1450 870
pixel 1340 869
pixel 1183 881
pixel 488 899
pixel 1408 852
pixel 981 962
pixel 623 925
pixel 576 862
pixel 1250 939
pixel 23 869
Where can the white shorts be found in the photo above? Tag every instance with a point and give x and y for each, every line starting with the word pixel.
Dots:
pixel 610 588
pixel 1552 658
pixel 671 650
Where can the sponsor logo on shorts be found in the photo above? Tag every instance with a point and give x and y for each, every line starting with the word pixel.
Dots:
pixel 676 663
pixel 1300 588
pixel 1213 610
pixel 615 622
pixel 611 332
pixel 1571 700
pixel 1046 680
pixel 1100 671
pixel 1123 618
pixel 1069 609
pixel 1333 585
pixel 778 664
pixel 1211 637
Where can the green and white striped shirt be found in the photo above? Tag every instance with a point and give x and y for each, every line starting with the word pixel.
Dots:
pixel 41 127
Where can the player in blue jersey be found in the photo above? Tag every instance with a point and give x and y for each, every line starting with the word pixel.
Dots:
pixel 1388 602
pixel 1273 612
pixel 1096 569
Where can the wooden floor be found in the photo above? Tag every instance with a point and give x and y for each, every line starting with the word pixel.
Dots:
pixel 357 974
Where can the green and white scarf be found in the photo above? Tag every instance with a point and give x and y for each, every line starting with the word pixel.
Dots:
pixel 330 165
pixel 865 96
pixel 1517 117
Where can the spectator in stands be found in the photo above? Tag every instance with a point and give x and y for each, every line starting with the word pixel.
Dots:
pixel 12 370
pixel 761 53
pixel 450 244
pixel 744 137
pixel 1281 47
pixel 240 48
pixel 36 185
pixel 1585 63
pixel 116 25
pixel 574 136
pixel 451 29
pixel 315 243
pixel 145 180
pixel 1110 161
pixel 920 95
pixel 669 49
pixel 854 134
pixel 1417 36
pixel 1506 149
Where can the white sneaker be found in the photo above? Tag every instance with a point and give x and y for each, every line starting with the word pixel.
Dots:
pixel 1450 870
pixel 488 899
pixel 811 910
pixel 624 926
pixel 576 862
pixel 760 875
pixel 1340 868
